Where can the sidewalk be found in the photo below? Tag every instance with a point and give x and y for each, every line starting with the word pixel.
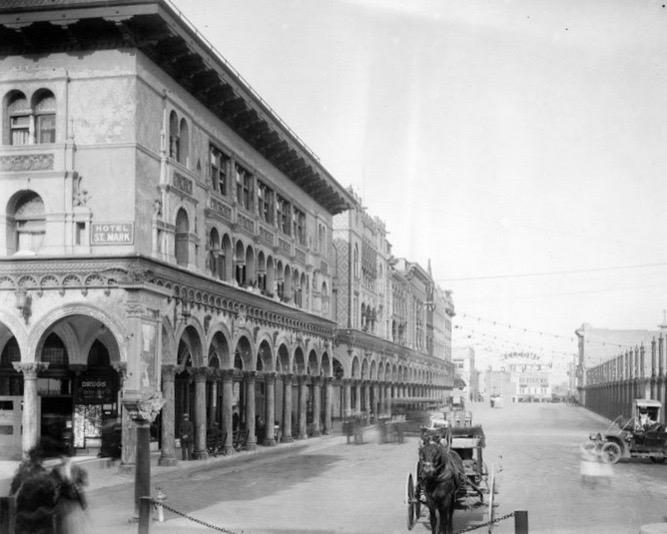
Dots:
pixel 105 480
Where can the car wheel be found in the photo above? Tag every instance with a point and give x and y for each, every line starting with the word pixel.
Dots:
pixel 611 452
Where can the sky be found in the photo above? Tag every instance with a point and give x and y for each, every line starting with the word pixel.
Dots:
pixel 517 145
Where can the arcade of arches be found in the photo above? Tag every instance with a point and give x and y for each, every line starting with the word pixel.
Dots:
pixel 72 360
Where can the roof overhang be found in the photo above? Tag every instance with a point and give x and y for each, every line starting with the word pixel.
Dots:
pixel 160 32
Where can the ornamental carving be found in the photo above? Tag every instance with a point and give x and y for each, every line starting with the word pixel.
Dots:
pixel 31 162
pixel 246 223
pixel 30 369
pixel 183 183
pixel 284 245
pixel 220 208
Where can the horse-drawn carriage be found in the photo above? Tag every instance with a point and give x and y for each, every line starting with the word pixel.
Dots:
pixel 450 471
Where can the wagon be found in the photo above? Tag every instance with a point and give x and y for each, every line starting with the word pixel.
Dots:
pixel 468 442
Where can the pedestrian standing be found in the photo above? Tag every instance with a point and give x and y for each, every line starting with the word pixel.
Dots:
pixel 185 433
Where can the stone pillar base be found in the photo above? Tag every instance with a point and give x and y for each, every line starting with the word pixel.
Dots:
pixel 316 433
pixel 326 432
pixel 126 468
pixel 228 450
pixel 199 455
pixel 167 461
pixel 251 446
pixel 287 439
pixel 302 436
pixel 270 442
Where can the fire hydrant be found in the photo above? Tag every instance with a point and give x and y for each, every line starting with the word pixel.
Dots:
pixel 159 499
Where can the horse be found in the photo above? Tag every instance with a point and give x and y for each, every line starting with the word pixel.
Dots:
pixel 440 477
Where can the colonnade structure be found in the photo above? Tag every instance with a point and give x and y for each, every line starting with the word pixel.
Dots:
pixel 611 386
pixel 104 325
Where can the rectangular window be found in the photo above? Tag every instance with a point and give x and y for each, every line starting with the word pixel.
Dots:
pixel 219 165
pixel 244 188
pixel 80 231
pixel 20 130
pixel 283 209
pixel 265 202
pixel 300 226
pixel 46 129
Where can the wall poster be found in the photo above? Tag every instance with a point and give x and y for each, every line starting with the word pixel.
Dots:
pixel 148 364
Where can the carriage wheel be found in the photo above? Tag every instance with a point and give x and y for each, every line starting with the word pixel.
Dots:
pixel 611 452
pixel 410 498
pixel 418 501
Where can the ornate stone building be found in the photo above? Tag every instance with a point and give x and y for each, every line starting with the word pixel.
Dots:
pixel 388 343
pixel 163 230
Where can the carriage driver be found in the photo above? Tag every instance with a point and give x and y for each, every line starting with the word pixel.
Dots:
pixel 645 420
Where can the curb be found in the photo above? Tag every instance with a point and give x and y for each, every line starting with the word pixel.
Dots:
pixel 116 478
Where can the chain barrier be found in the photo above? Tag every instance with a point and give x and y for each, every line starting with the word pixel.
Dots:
pixel 194 519
pixel 496 520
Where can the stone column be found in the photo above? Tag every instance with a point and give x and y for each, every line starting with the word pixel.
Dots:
pixel 328 402
pixel 376 401
pixel 168 452
pixel 250 409
pixel 347 397
pixel 317 406
pixel 227 376
pixel 287 408
pixel 30 418
pixel 357 397
pixel 302 407
pixel 200 413
pixel 269 436
pixel 367 399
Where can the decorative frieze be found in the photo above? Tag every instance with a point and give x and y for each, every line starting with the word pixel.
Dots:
pixel 300 256
pixel 27 162
pixel 182 183
pixel 266 235
pixel 246 223
pixel 220 208
pixel 284 245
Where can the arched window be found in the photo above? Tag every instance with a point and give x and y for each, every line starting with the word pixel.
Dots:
pixel 45 117
pixel 214 253
pixel 182 237
pixel 26 223
pixel 98 356
pixel 184 136
pixel 174 137
pixel 18 113
pixel 54 353
pixel 30 122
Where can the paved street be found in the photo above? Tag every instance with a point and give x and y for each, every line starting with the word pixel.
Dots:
pixel 333 487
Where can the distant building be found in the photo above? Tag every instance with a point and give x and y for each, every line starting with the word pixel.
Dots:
pixel 597 345
pixel 463 359
pixel 499 383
